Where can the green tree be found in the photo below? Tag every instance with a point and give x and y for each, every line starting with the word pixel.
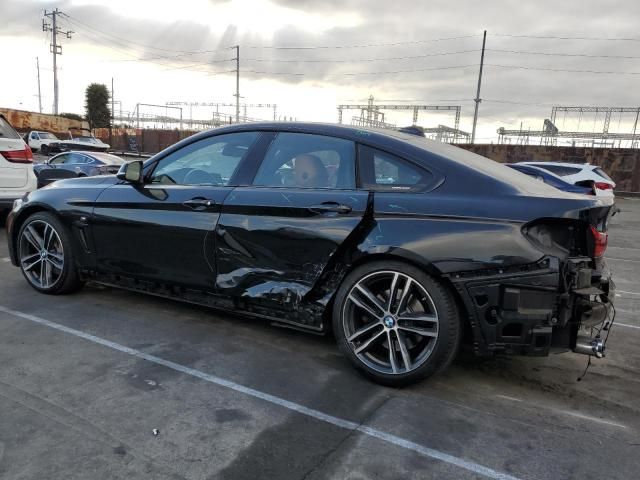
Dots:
pixel 97 105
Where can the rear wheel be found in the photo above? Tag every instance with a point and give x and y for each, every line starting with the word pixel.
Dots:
pixel 395 323
pixel 44 149
pixel 46 255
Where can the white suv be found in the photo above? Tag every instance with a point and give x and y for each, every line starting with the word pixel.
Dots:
pixel 16 166
pixel 583 174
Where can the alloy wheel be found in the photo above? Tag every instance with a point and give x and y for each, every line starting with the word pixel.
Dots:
pixel 41 254
pixel 390 322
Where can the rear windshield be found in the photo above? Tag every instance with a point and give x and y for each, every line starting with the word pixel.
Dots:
pixel 6 130
pixel 600 172
pixel 560 170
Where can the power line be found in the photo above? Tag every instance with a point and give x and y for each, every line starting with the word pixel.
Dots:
pixel 555 37
pixel 411 57
pixel 390 72
pixel 562 54
pixel 369 45
pixel 128 41
pixel 544 69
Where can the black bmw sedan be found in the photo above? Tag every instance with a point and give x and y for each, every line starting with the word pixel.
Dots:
pixel 76 164
pixel 403 247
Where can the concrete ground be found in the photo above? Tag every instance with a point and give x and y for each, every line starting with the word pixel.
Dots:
pixel 86 378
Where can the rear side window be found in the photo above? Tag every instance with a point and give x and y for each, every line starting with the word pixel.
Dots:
pixel 560 170
pixel 6 130
pixel 304 160
pixel 601 172
pixel 383 171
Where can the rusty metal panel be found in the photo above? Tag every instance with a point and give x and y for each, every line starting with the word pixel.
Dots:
pixel 24 121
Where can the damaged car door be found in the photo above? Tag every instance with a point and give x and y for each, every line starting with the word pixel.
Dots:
pixel 161 230
pixel 278 236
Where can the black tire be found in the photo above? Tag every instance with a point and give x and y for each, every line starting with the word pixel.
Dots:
pixel 44 149
pixel 430 357
pixel 67 279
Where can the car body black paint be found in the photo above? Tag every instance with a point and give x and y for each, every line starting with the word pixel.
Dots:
pixel 268 252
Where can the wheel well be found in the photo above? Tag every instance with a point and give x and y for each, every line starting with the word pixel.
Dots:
pixel 17 223
pixel 464 314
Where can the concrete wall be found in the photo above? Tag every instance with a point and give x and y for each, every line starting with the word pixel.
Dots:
pixel 24 121
pixel 622 164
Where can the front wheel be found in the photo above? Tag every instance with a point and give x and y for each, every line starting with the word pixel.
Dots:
pixel 46 255
pixel 395 323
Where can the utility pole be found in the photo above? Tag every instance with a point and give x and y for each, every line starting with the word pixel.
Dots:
pixel 237 47
pixel 477 99
pixel 39 93
pixel 55 48
pixel 112 115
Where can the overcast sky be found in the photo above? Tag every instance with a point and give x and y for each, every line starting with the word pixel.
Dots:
pixel 424 52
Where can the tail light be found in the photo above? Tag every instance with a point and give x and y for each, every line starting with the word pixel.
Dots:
pixel 600 240
pixel 19 156
pixel 603 186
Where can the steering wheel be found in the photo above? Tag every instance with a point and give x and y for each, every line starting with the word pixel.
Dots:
pixel 198 177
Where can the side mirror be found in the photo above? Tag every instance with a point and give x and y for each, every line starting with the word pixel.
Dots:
pixel 131 172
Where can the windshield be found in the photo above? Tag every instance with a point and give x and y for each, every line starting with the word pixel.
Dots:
pixel 601 172
pixel 47 136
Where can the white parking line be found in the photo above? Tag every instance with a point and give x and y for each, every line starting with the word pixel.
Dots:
pixel 592 419
pixel 296 407
pixel 618 324
pixel 627 293
pixel 5 259
pixel 622 260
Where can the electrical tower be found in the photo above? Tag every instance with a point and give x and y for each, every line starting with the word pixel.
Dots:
pixel 371 115
pixel 55 48
pixel 551 131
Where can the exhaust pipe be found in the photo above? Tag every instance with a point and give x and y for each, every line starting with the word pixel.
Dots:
pixel 589 346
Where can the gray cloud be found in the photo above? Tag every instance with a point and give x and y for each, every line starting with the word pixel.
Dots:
pixel 384 22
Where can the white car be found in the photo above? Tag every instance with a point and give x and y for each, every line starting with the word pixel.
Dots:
pixel 583 174
pixel 38 140
pixel 16 166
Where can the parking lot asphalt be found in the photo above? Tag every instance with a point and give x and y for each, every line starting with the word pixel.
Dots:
pixel 86 378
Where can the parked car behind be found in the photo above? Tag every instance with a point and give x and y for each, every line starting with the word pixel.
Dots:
pixel 583 174
pixel 551 179
pixel 16 158
pixel 78 139
pixel 401 246
pixel 76 164
pixel 40 141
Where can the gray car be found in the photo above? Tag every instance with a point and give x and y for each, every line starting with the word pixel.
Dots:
pixel 76 164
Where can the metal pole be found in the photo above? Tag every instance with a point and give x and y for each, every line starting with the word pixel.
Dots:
pixel 477 99
pixel 54 47
pixel 237 83
pixel 112 115
pixel 39 93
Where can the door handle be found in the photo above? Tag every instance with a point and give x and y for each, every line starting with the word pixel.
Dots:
pixel 331 207
pixel 198 203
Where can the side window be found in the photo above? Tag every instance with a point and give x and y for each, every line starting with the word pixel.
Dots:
pixel 35 136
pixel 308 161
pixel 75 158
pixel 384 171
pixel 210 161
pixel 60 159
